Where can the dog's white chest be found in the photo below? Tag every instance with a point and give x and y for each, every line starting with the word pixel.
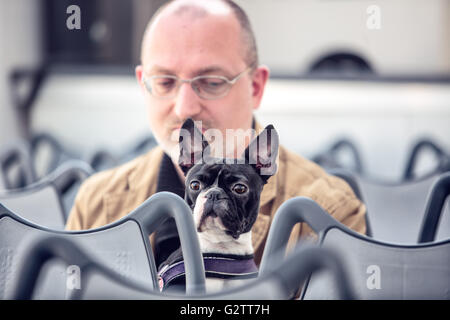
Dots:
pixel 215 284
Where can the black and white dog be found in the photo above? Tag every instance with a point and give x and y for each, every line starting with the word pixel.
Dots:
pixel 224 196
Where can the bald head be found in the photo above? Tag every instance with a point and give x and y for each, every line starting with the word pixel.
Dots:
pixel 198 9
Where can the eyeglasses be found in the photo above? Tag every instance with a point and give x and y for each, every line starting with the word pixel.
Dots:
pixel 206 87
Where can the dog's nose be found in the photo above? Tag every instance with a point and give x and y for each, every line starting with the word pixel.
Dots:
pixel 214 195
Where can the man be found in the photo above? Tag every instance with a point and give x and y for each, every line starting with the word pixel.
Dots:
pixel 187 39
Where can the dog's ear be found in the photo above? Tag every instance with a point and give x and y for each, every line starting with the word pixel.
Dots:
pixel 262 153
pixel 193 146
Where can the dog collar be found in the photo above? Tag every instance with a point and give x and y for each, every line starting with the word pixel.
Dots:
pixel 216 266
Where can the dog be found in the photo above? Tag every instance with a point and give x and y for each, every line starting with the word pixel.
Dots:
pixel 224 196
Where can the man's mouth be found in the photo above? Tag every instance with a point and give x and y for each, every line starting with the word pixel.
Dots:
pixel 176 131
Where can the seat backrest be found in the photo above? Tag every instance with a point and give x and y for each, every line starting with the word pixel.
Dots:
pixel 395 211
pixel 443 229
pixel 329 159
pixel 436 220
pixel 377 270
pixel 48 153
pixel 123 246
pixel 42 202
pixel 18 154
pixel 426 145
pixel 93 280
pixel 351 180
pixel 384 271
pixel 128 256
pixel 39 205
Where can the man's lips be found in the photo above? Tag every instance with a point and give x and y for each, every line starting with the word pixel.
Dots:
pixel 177 130
pixel 178 127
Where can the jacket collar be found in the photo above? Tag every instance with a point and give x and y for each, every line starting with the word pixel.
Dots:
pixel 147 171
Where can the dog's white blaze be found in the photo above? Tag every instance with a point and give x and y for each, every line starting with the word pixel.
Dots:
pixel 198 209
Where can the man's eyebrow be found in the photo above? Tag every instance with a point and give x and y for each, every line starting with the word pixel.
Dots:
pixel 202 71
pixel 211 69
pixel 159 69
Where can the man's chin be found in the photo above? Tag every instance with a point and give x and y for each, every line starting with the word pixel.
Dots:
pixel 175 132
pixel 172 150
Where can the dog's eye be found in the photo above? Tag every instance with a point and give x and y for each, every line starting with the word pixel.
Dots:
pixel 195 185
pixel 239 188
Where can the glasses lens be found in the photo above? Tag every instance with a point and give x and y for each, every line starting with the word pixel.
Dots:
pixel 210 87
pixel 163 86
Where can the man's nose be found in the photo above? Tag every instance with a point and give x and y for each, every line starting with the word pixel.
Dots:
pixel 187 103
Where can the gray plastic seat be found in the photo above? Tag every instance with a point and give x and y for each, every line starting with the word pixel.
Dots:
pixel 123 246
pixel 436 220
pixel 395 211
pixel 405 216
pixel 16 155
pixel 350 178
pixel 101 159
pixel 48 153
pixel 377 270
pixel 39 205
pixel 331 158
pixel 422 146
pixel 42 202
pixel 95 281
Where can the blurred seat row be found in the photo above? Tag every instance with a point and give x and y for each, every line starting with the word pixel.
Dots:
pixel 53 190
pixel 395 210
pixel 405 255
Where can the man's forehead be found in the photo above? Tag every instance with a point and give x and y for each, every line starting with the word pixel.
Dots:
pixel 189 10
pixel 215 7
pixel 173 34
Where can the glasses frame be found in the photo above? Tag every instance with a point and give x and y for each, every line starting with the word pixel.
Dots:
pixel 180 82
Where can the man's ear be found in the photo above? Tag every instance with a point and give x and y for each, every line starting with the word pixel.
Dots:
pixel 262 153
pixel 259 81
pixel 193 146
pixel 139 71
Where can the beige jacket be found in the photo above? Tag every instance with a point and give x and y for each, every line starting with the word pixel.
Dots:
pixel 110 195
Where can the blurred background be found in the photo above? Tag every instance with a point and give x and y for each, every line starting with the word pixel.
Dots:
pixel 353 83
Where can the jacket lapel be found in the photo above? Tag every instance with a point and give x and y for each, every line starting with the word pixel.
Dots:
pixel 140 183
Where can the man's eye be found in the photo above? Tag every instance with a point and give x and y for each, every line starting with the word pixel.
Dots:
pixel 239 188
pixel 195 185
pixel 166 83
pixel 212 83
